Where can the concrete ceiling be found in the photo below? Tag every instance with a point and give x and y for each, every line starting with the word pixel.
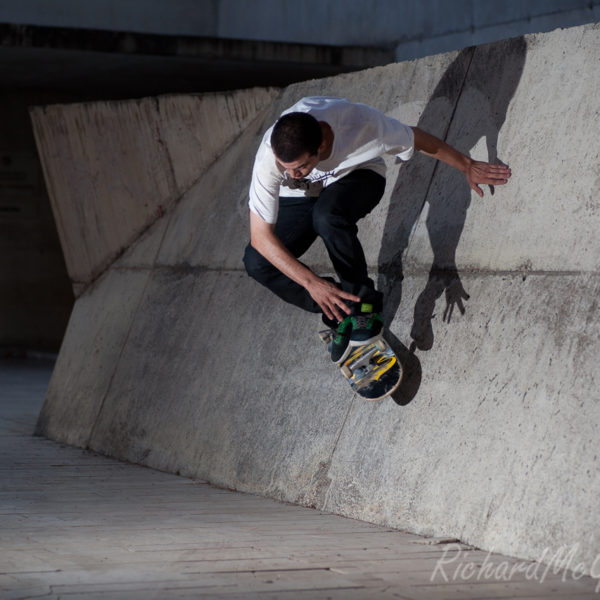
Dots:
pixel 89 64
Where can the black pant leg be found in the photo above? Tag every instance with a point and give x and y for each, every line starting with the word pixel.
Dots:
pixel 294 228
pixel 339 207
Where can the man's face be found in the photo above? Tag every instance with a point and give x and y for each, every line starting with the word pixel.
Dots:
pixel 301 167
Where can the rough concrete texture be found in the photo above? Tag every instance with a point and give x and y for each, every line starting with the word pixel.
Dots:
pixel 175 359
pixel 129 162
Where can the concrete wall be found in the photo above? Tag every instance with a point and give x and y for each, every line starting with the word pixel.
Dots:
pixel 415 28
pixel 175 359
pixel 129 162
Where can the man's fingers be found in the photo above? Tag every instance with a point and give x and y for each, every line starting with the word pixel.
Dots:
pixel 336 311
pixel 487 174
pixel 327 311
pixel 338 315
pixel 493 167
pixel 330 309
pixel 332 300
pixel 346 295
pixel 335 307
pixel 491 181
pixel 498 168
pixel 491 174
pixel 339 304
pixel 337 301
pixel 477 189
pixel 497 177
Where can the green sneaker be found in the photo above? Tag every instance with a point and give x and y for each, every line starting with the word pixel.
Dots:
pixel 340 345
pixel 367 325
pixel 355 330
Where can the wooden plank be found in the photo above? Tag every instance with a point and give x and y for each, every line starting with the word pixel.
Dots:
pixel 77 525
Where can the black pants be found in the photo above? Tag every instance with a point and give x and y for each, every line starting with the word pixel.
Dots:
pixel 332 216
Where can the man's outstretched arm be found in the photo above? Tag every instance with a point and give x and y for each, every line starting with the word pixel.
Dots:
pixel 329 297
pixel 477 172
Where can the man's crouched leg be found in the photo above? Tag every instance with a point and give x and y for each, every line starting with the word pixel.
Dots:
pixel 261 270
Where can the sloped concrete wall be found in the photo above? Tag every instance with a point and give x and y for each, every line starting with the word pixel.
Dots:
pixel 175 359
pixel 113 168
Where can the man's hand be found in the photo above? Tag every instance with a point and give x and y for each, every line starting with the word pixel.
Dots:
pixel 477 172
pixel 482 173
pixel 330 298
pixel 326 294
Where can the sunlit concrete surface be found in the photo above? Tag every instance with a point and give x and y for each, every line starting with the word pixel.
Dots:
pixel 78 525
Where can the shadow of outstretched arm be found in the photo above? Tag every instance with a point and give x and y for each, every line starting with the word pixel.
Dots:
pixel 484 79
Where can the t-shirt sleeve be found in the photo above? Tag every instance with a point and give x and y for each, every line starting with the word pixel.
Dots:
pixel 396 138
pixel 264 186
pixel 368 133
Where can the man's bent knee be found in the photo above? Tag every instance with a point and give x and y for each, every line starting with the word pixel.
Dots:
pixel 257 266
pixel 252 260
pixel 325 220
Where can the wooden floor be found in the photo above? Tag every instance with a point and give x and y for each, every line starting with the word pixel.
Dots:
pixel 76 525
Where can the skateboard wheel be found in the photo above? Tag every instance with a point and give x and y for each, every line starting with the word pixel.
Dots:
pixel 325 337
pixel 346 372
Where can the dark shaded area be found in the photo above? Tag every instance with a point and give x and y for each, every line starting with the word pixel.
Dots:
pixel 492 72
pixel 48 65
pixel 95 64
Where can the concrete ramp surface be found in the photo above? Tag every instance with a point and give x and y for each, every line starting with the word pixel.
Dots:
pixel 175 359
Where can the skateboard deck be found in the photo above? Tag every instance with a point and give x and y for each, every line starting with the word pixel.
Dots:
pixel 372 370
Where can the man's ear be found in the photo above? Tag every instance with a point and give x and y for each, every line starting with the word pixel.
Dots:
pixel 322 146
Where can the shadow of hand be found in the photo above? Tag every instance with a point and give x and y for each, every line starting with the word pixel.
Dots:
pixel 455 294
pixel 440 281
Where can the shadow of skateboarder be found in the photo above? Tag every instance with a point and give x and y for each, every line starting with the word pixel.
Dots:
pixel 470 102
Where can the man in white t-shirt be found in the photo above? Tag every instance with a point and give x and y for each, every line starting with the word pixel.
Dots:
pixel 317 172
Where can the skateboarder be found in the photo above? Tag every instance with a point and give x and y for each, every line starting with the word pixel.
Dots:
pixel 318 170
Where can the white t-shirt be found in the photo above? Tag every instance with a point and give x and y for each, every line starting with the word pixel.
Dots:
pixel 361 135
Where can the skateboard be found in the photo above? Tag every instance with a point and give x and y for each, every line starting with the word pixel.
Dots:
pixel 372 370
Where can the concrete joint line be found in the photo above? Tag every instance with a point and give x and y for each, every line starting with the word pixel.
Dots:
pixel 335 445
pixel 161 142
pixel 524 273
pixel 260 115
pixel 126 340
pixel 179 195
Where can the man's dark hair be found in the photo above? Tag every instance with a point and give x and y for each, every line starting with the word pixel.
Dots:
pixel 295 134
